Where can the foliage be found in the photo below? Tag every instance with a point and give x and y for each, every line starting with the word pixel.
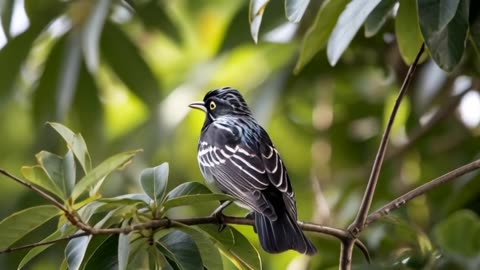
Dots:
pixel 123 71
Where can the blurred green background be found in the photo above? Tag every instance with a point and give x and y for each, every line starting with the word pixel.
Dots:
pixel 123 72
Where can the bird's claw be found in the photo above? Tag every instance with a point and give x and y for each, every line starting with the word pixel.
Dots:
pixel 251 215
pixel 220 220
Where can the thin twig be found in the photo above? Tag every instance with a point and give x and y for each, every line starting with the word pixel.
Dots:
pixel 357 225
pixel 402 200
pixel 40 192
pixel 43 243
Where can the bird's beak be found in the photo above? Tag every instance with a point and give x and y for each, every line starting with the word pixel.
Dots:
pixel 199 105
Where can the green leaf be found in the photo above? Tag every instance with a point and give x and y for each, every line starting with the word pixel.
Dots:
pixel 125 59
pixel 37 176
pixel 32 253
pixel 317 35
pixel 234 246
pixel 349 22
pixel 378 17
pixel 197 198
pixel 76 143
pixel 154 182
pixel 69 172
pixel 257 8
pixel 459 235
pixel 295 9
pixel 17 225
pixel 447 44
pixel 210 255
pixel 188 188
pixel 75 251
pixel 92 31
pixel 104 256
pixel 123 248
pixel 128 199
pixel 101 171
pixel 436 14
pixel 68 75
pixel 156 260
pixel 61 171
pixel 181 248
pixel 409 37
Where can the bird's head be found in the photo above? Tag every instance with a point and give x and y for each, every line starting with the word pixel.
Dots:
pixel 222 102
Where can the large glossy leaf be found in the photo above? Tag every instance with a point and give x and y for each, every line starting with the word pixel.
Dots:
pixel 459 235
pixel 104 256
pixel 60 170
pixel 188 188
pixel 92 31
pixel 36 175
pixel 157 260
pixel 75 251
pixel 378 17
pixel 101 171
pixel 447 44
pixel 17 225
pixel 349 22
pixel 210 255
pixel 295 9
pixel 436 14
pixel 123 249
pixel 135 198
pixel 181 248
pixel 317 35
pixel 197 198
pixel 32 253
pixel 125 59
pixel 154 181
pixel 409 37
pixel 234 246
pixel 257 8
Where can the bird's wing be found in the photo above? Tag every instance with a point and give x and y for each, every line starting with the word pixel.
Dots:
pixel 237 169
pixel 278 176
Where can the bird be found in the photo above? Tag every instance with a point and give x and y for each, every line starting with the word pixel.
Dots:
pixel 236 156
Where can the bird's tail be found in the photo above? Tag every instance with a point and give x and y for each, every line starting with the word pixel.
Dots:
pixel 282 234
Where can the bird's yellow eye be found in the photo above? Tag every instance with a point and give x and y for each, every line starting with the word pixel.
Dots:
pixel 213 106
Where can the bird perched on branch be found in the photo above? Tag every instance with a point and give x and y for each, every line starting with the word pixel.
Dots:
pixel 237 157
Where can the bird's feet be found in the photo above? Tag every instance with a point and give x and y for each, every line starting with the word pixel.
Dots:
pixel 251 215
pixel 219 216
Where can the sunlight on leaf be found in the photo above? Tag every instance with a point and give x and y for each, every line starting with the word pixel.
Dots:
pixel 257 8
pixel 295 9
pixel 76 143
pixel 349 22
pixel 75 251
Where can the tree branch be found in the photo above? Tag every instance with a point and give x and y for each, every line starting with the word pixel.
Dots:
pixel 358 224
pixel 342 235
pixel 402 200
pixel 43 243
pixel 40 192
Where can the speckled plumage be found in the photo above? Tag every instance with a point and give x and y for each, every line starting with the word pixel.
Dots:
pixel 237 157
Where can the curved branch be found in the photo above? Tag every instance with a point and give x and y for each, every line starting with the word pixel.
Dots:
pixel 402 200
pixel 358 224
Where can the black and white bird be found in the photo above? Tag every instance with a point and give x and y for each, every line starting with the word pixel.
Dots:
pixel 237 157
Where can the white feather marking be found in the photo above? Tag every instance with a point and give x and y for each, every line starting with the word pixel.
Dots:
pixel 248 164
pixel 269 155
pixel 246 172
pixel 223 127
